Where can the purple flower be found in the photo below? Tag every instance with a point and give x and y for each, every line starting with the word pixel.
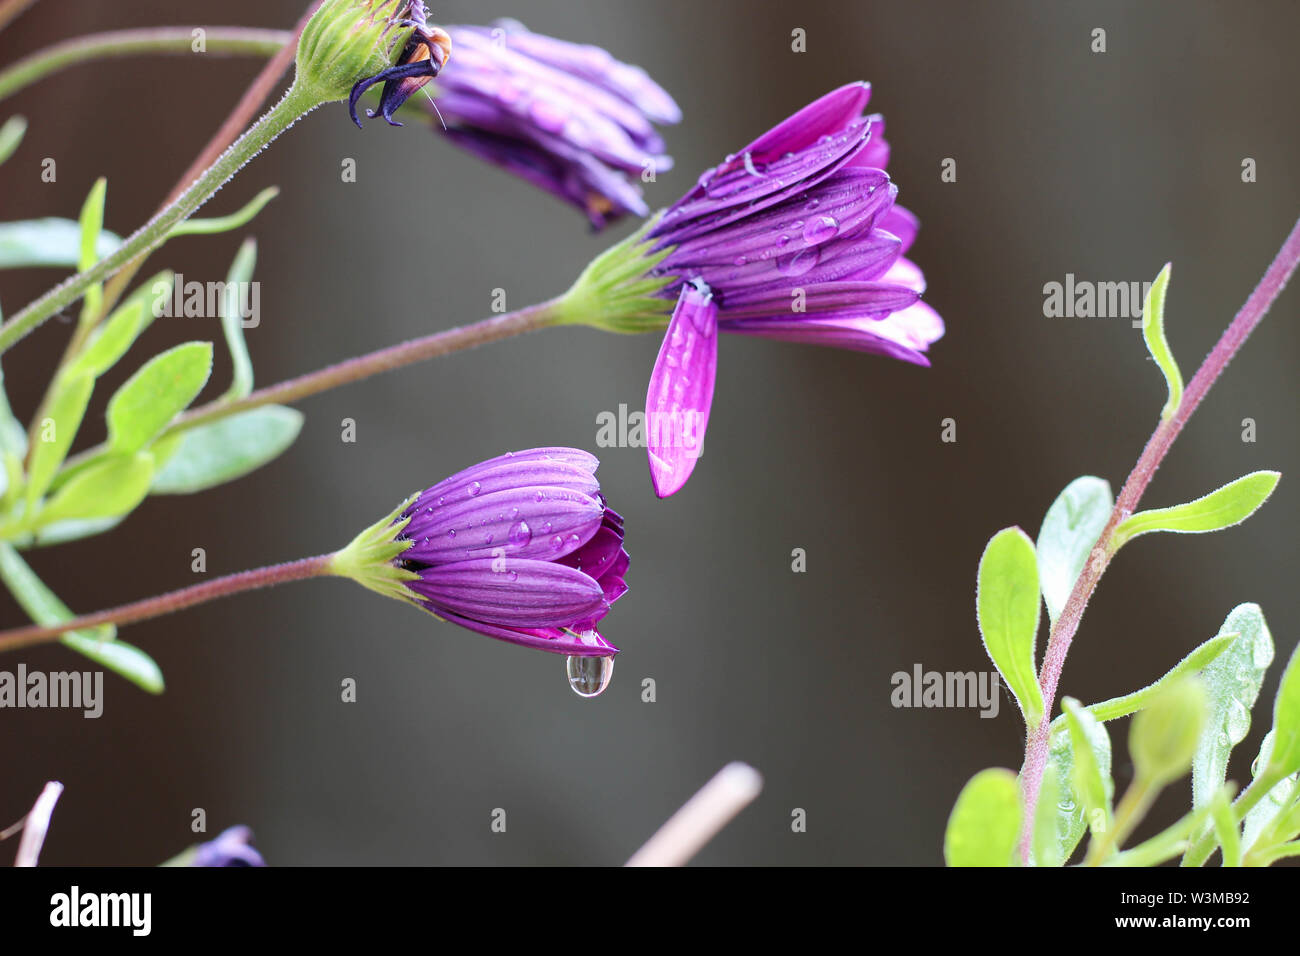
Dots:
pixel 566 117
pixel 797 238
pixel 231 848
pixel 521 548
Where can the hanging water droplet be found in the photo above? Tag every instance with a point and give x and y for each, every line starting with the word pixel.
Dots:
pixel 589 676
pixel 521 534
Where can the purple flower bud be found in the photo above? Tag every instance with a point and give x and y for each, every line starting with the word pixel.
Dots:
pixel 522 548
pixel 796 237
pixel 566 117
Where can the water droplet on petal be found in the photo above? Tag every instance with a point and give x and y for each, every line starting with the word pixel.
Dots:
pixel 589 676
pixel 521 534
pixel 819 229
pixel 474 488
pixel 800 262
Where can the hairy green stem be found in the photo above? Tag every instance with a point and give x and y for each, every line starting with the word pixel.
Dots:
pixel 1067 624
pixel 234 41
pixel 295 103
pixel 318 566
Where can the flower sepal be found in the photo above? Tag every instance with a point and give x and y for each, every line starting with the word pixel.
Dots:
pixel 618 291
pixel 372 557
pixel 349 41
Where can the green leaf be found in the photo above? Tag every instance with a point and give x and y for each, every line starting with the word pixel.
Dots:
pixel 985 821
pixel 1232 681
pixel 1164 737
pixel 114 338
pixel 1165 845
pixel 207 227
pixel 1153 330
pixel 1285 758
pixel 1225 828
pixel 60 532
pixel 1070 530
pixel 1229 505
pixel 212 454
pixel 1071 818
pixel 1272 804
pixel 1006 604
pixel 155 394
pixel 1047 843
pixel 1093 787
pixel 232 321
pixel 92 224
pixel 1191 664
pixel 11 134
pixel 13 437
pixel 47 242
pixel 98 644
pixel 54 434
pixel 107 490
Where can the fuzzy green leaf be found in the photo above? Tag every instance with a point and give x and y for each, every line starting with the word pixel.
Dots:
pixel 54 433
pixel 232 321
pixel 208 227
pixel 1093 787
pixel 1153 330
pixel 212 454
pixel 155 394
pixel 1229 505
pixel 985 821
pixel 108 489
pixel 1071 811
pixel 1007 607
pixel 1191 664
pixel 1069 532
pixel 1232 681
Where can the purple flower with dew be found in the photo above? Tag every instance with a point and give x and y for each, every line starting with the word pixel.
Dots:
pixel 522 548
pixel 566 117
pixel 796 237
pixel 232 847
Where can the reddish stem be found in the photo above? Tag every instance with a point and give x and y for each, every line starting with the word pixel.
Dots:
pixel 1157 447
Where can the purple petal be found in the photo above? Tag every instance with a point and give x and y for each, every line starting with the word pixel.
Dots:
pixel 564 467
pixel 876 152
pixel 511 592
pixel 556 640
pixel 681 390
pixel 544 522
pixel 902 224
pixel 841 204
pixel 822 117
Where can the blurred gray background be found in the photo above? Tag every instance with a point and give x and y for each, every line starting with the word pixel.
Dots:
pixel 1103 165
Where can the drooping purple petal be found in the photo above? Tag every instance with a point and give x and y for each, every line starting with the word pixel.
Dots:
pixel 681 389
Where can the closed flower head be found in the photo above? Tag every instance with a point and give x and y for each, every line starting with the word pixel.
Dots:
pixel 522 548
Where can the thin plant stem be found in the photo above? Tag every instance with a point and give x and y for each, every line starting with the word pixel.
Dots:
pixel 1157 447
pixel 291 107
pixel 10 9
pixel 493 329
pixel 700 819
pixel 235 41
pixel 318 566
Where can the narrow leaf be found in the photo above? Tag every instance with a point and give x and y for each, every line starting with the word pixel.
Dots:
pixel 47 242
pixel 1191 664
pixel 1153 330
pixel 1225 828
pixel 230 448
pixel 1007 606
pixel 13 437
pixel 1093 787
pixel 108 490
pixel 11 134
pixel 985 821
pixel 114 338
pixel 43 607
pixel 1069 532
pixel 1285 758
pixel 232 320
pixel 54 434
pixel 155 394
pixel 1071 819
pixel 1229 505
pixel 1273 803
pixel 207 227
pixel 92 224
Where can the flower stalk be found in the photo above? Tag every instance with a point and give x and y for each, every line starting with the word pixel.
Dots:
pixel 1067 624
